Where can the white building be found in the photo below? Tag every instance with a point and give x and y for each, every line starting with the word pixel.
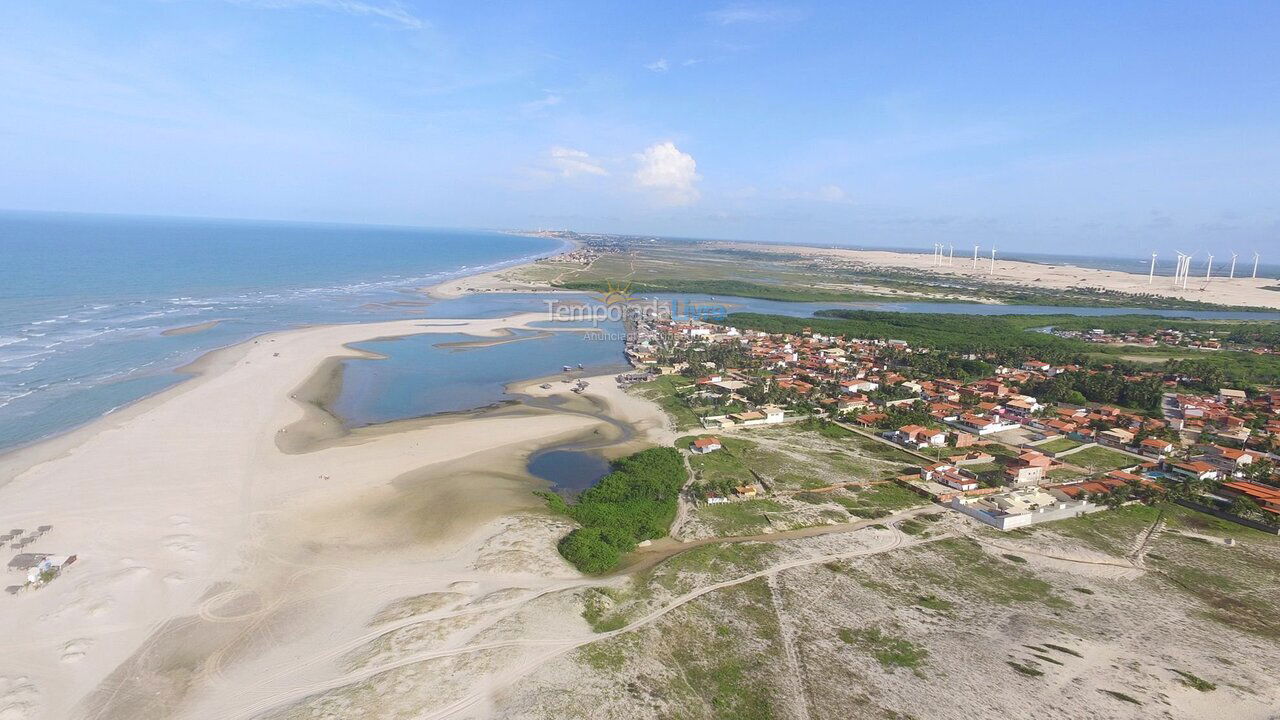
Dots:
pixel 1020 508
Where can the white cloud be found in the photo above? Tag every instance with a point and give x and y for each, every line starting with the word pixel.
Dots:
pixel 659 65
pixel 392 10
pixel 663 168
pixel 741 13
pixel 537 106
pixel 572 163
pixel 832 193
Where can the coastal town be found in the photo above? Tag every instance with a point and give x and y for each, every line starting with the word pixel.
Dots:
pixel 987 445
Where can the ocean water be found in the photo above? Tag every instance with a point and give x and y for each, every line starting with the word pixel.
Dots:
pixel 86 298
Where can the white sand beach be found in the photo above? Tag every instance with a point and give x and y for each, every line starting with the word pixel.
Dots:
pixel 497 281
pixel 231 546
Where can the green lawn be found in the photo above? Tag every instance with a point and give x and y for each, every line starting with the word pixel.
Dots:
pixel 1098 459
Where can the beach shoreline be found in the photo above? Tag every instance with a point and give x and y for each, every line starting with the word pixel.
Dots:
pixel 499 280
pixel 200 503
pixel 191 329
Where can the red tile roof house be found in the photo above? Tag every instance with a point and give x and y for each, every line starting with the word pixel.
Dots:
pixel 1154 447
pixel 705 444
pixel 1267 497
pixel 869 419
pixel 1230 459
pixel 984 426
pixel 920 437
pixel 1029 467
pixel 1105 485
pixel 853 402
pixel 1195 469
pixel 951 476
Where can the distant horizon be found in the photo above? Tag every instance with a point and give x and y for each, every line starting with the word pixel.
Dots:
pixel 1002 253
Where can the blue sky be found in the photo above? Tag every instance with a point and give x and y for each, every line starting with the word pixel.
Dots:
pixel 1111 127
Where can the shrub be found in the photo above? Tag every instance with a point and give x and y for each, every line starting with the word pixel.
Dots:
pixel 588 550
pixel 634 502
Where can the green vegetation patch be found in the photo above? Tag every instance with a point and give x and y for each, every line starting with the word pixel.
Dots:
pixel 744 517
pixel 1024 669
pixel 735 288
pixel 724 469
pixel 1121 696
pixel 885 498
pixel 959 564
pixel 889 650
pixel 634 502
pixel 933 602
pixel 1112 531
pixel 608 655
pixel 1062 649
pixel 1097 459
pixel 665 391
pixel 913 526
pixel 1192 681
pixel 720 561
pixel 599 609
pixel 714 674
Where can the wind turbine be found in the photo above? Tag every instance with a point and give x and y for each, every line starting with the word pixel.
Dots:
pixel 1177 271
pixel 1255 266
pixel 1151 276
pixel 993 260
pixel 1232 274
pixel 1208 268
pixel 975 256
pixel 951 259
pixel 1186 270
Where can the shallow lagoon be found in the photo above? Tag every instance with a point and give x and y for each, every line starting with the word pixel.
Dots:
pixel 426 374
